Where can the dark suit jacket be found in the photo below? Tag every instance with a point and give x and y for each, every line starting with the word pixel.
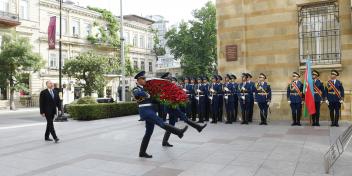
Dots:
pixel 48 104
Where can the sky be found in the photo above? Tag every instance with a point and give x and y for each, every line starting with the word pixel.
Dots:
pixel 173 10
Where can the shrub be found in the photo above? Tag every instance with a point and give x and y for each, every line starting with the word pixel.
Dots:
pixel 87 100
pixel 102 110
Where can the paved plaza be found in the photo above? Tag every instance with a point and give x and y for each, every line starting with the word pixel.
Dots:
pixel 110 148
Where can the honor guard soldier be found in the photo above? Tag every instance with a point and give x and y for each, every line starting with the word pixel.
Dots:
pixel 214 99
pixel 319 97
pixel 295 98
pixel 200 96
pixel 221 98
pixel 206 99
pixel 235 97
pixel 263 98
pixel 193 99
pixel 229 99
pixel 335 96
pixel 148 114
pixel 243 94
pixel 251 98
pixel 187 87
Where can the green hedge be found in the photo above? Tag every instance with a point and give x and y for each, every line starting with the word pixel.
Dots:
pixel 102 110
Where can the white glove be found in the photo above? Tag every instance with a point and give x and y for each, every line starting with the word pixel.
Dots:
pixel 302 102
pixel 199 91
pixel 327 102
pixel 268 103
pixel 197 98
pixel 289 102
pixel 321 102
pixel 341 101
pixel 256 103
pixel 243 97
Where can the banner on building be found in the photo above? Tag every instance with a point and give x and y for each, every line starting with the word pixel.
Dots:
pixel 52 32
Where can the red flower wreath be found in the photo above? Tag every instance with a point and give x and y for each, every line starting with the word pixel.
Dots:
pixel 166 93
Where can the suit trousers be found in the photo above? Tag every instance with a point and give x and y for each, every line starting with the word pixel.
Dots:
pixel 50 126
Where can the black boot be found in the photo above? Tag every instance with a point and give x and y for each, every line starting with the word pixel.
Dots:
pixel 174 130
pixel 166 140
pixel 196 126
pixel 143 149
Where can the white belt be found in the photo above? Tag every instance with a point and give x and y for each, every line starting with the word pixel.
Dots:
pixel 145 105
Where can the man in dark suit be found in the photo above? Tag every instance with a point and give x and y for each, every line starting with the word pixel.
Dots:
pixel 49 101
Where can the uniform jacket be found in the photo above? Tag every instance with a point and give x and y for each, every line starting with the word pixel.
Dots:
pixel 263 92
pixel 330 93
pixel 293 94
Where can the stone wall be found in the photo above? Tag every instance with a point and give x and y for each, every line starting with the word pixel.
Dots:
pixel 266 33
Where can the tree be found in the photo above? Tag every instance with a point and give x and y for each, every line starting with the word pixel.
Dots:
pixel 88 69
pixel 17 58
pixel 194 42
pixel 157 48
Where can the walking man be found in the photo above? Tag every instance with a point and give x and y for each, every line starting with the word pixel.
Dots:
pixel 49 100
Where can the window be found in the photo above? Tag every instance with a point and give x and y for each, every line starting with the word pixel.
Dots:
pixel 319 34
pixel 142 65
pixel 24 8
pixel 64 25
pixel 141 41
pixel 150 66
pixel 135 64
pixel 54 59
pixel 135 40
pixel 4 5
pixel 150 43
pixel 75 28
pixel 87 29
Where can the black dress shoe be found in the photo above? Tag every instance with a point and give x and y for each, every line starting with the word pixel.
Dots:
pixel 145 155
pixel 228 123
pixel 213 122
pixel 167 144
pixel 265 123
pixel 317 124
pixel 337 125
pixel 299 124
pixel 293 124
pixel 48 139
pixel 56 140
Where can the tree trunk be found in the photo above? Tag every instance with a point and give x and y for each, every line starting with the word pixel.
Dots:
pixel 12 96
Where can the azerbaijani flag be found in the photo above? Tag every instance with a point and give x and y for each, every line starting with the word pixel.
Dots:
pixel 308 90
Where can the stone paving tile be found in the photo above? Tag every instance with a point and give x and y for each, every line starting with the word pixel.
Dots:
pixel 110 147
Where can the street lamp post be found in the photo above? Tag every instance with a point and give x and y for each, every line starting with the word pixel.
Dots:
pixel 122 50
pixel 60 51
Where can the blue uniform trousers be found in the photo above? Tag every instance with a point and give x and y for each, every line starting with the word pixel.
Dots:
pixel 221 107
pixel 316 116
pixel 296 109
pixel 207 108
pixel 250 110
pixel 235 105
pixel 245 111
pixel 201 108
pixel 263 107
pixel 215 108
pixel 334 108
pixel 229 106
pixel 149 116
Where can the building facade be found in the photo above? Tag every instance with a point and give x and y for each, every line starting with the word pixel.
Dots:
pixel 32 21
pixel 167 62
pixel 277 36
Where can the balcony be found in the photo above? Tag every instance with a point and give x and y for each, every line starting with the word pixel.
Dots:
pixel 9 19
